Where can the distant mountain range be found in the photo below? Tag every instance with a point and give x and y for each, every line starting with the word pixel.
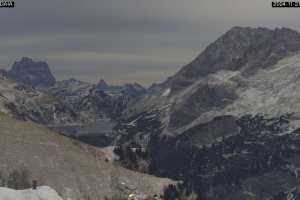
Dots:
pixel 33 93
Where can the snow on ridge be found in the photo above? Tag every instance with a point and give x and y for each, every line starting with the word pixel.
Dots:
pixel 41 193
pixel 166 92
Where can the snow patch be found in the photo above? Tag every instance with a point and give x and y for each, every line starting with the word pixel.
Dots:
pixel 41 193
pixel 166 92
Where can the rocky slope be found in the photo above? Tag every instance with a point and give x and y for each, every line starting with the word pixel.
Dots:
pixel 100 110
pixel 190 125
pixel 32 73
pixel 24 102
pixel 74 170
pixel 225 69
pixel 96 101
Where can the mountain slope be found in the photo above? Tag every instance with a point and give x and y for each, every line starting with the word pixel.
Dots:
pixel 25 102
pixel 66 165
pixel 233 109
pixel 241 59
pixel 244 49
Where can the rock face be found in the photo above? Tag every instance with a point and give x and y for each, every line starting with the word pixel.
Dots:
pixel 32 73
pixel 226 111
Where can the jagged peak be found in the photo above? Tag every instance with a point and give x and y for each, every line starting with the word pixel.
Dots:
pixel 30 72
pixel 102 85
pixel 237 49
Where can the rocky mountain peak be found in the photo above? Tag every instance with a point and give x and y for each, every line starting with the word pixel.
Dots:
pixel 241 48
pixel 102 85
pixel 30 72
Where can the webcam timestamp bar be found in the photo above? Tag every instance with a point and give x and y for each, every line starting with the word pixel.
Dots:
pixel 7 4
pixel 286 4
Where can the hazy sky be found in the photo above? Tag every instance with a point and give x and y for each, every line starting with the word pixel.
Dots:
pixel 126 40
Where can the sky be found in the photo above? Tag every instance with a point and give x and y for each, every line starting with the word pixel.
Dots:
pixel 125 41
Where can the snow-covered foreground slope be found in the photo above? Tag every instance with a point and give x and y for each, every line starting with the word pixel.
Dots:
pixel 41 193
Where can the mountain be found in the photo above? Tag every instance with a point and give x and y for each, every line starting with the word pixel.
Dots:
pixel 76 171
pixel 98 110
pixel 72 107
pixel 233 109
pixel 102 85
pixel 86 99
pixel 133 89
pixel 243 49
pixel 239 60
pixel 32 73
